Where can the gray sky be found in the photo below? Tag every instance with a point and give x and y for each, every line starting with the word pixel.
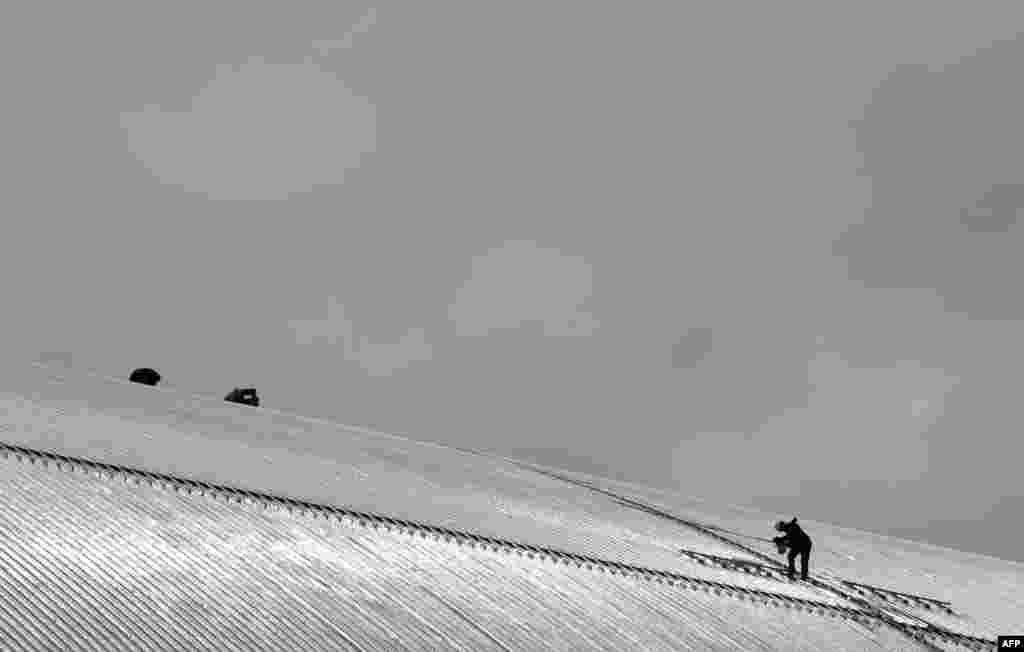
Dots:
pixel 764 254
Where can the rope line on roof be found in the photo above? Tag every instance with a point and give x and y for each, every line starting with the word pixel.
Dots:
pixel 771 572
pixel 368 520
pixel 921 633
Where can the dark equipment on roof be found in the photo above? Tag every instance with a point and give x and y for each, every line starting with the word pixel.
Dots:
pixel 246 396
pixel 145 376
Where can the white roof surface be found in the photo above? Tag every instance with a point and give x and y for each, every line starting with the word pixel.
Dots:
pixel 211 568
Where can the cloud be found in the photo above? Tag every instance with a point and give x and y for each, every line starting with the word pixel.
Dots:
pixel 257 131
pixel 859 425
pixel 332 328
pixel 383 359
pixel 521 283
pixel 375 358
pixel 919 407
pixel 943 150
pixel 873 403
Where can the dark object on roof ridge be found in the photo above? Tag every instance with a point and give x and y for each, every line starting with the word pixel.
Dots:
pixel 245 396
pixel 145 376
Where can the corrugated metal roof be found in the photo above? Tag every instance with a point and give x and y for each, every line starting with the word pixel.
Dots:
pixel 101 557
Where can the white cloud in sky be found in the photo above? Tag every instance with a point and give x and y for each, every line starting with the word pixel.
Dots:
pixel 521 282
pixel 383 359
pixel 918 406
pixel 855 426
pixel 876 397
pixel 375 358
pixel 330 330
pixel 257 131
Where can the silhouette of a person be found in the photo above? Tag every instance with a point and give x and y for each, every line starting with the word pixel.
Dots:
pixel 798 543
pixel 245 396
pixel 145 376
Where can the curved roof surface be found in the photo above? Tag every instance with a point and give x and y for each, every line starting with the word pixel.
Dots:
pixel 142 518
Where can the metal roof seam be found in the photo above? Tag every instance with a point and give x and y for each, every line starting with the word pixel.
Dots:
pixel 631 502
pixel 426 531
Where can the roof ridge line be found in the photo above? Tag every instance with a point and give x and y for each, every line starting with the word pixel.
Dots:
pixel 348 516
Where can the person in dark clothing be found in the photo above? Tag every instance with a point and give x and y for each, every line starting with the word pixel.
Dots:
pixel 145 376
pixel 798 543
pixel 245 396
